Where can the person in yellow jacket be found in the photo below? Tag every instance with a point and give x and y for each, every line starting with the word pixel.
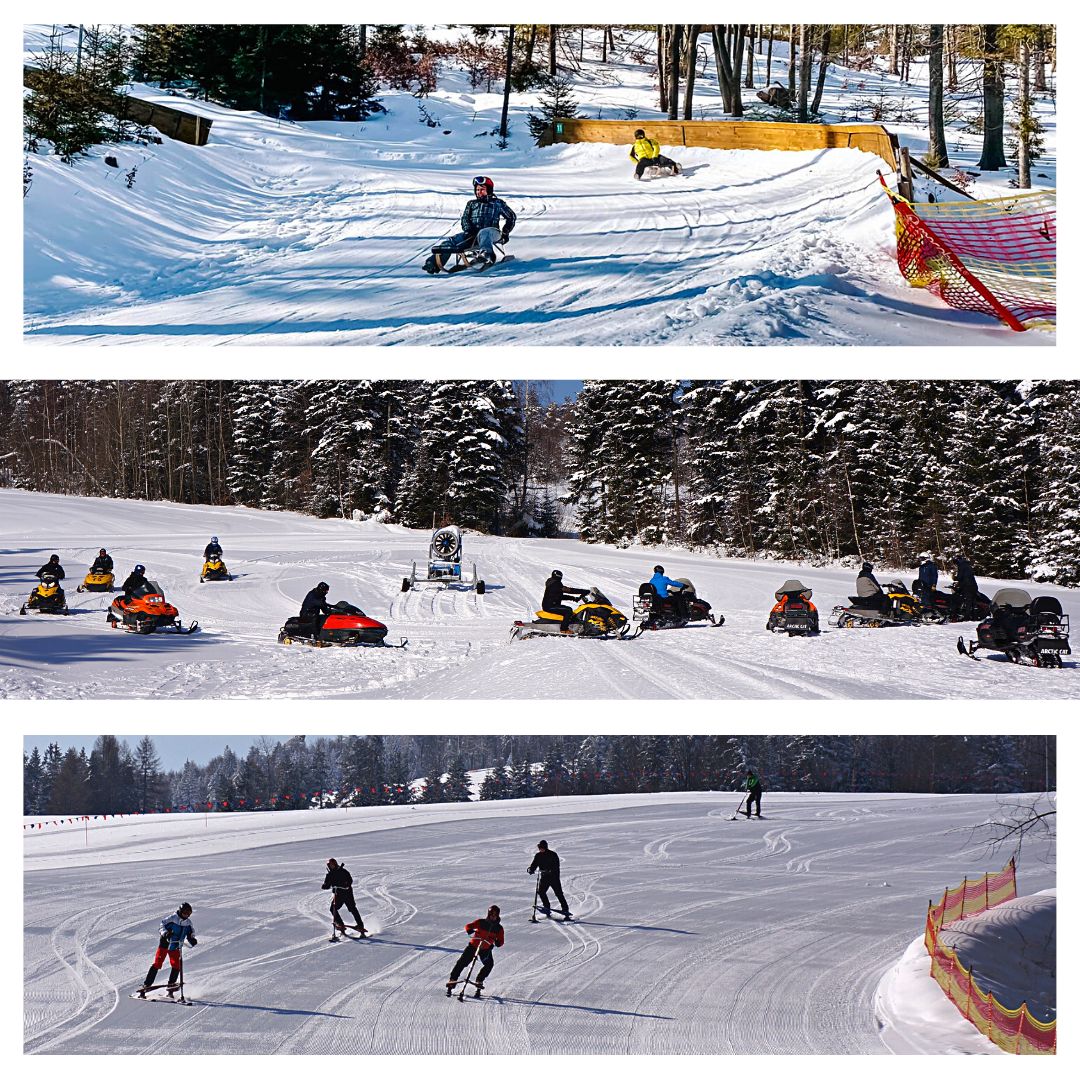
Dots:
pixel 646 152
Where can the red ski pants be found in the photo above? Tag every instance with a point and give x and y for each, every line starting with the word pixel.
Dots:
pixel 173 954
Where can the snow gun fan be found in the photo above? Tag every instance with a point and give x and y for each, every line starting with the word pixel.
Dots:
pixel 346 625
pixel 897 608
pixel 595 617
pixel 214 569
pixel 1034 633
pixel 678 609
pixel 444 564
pixel 147 611
pixel 793 613
pixel 47 598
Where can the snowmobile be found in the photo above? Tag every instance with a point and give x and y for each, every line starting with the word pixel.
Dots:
pixel 145 611
pixel 944 608
pixel 215 570
pixel 897 608
pixel 594 617
pixel 450 261
pixel 1030 632
pixel 653 613
pixel 793 613
pixel 345 625
pixel 97 581
pixel 444 563
pixel 47 597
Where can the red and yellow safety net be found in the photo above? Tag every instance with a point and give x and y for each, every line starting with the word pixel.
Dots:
pixel 1016 1031
pixel 998 256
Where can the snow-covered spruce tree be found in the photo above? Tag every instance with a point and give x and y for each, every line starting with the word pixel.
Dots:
pixel 493 786
pixel 584 483
pixel 1055 511
pixel 456 787
pixel 556 102
pixel 397 426
pixel 555 778
pixel 986 475
pixel 252 453
pixel 289 479
pixel 342 420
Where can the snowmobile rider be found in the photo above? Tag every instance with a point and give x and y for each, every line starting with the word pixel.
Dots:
pixel 966 596
pixel 927 582
pixel 487 933
pixel 554 595
pixel 753 792
pixel 868 589
pixel 340 880
pixel 52 568
pixel 212 550
pixel 314 609
pixel 661 583
pixel 135 582
pixel 547 862
pixel 646 152
pixel 175 930
pixel 480 227
pixel 103 564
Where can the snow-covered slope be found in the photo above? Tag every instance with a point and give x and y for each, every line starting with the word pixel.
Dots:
pixel 283 233
pixel 694 934
pixel 459 643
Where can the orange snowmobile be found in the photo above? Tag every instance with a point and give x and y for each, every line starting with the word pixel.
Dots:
pixel 146 611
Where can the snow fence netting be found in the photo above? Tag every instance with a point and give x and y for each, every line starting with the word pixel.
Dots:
pixel 998 256
pixel 1016 1031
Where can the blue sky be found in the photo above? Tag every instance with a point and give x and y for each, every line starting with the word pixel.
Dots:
pixel 173 750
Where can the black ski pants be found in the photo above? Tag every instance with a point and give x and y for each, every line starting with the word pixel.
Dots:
pixel 551 881
pixel 565 611
pixel 645 163
pixel 754 797
pixel 343 898
pixel 487 962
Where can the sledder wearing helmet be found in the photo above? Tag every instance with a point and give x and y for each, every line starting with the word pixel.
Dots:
pixel 135 582
pixel 646 152
pixel 487 221
pixel 314 609
pixel 554 595
pixel 661 583
pixel 213 548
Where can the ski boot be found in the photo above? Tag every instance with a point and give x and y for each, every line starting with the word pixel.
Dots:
pixel 361 931
pixel 450 988
pixel 479 990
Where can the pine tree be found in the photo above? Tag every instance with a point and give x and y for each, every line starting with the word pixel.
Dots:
pixel 457 786
pixel 252 452
pixel 556 102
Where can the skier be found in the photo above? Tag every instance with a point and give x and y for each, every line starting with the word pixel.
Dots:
pixel 135 581
pixel 103 564
pixel 314 609
pixel 928 578
pixel 555 592
pixel 753 793
pixel 52 568
pixel 340 880
pixel 175 929
pixel 480 228
pixel 646 152
pixel 966 597
pixel 547 862
pixel 868 589
pixel 487 933
pixel 670 589
pixel 213 548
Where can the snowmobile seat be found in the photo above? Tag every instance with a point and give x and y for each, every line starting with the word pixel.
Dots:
pixel 793 587
pixel 554 616
pixel 1047 610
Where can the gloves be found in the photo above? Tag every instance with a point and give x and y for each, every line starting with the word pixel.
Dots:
pixel 191 940
pixel 504 237
pixel 532 870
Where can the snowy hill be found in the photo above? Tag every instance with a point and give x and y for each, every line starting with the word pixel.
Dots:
pixel 459 643
pixel 285 233
pixel 694 934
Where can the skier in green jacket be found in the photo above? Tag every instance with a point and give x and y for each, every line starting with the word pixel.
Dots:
pixel 753 793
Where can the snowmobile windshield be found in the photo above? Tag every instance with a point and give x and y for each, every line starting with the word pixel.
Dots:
pixel 151 588
pixel 597 597
pixel 1014 598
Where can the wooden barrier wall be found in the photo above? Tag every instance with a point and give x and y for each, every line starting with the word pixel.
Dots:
pixel 183 126
pixel 731 135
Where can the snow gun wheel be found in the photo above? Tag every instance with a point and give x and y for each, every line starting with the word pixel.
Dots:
pixel 480 588
pixel 406 584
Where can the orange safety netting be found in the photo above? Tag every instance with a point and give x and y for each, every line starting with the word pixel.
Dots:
pixel 998 256
pixel 1016 1031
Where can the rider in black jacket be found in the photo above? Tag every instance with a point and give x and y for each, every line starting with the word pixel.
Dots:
pixel 554 595
pixel 340 881
pixel 486 221
pixel 547 862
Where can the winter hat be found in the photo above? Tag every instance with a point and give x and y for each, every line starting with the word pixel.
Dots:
pixel 542 844
pixel 494 910
pixel 331 863
pixel 185 909
pixel 639 134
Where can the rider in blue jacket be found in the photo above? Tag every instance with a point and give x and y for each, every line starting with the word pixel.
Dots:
pixel 175 930
pixel 661 583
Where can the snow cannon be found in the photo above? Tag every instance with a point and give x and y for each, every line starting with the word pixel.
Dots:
pixel 444 565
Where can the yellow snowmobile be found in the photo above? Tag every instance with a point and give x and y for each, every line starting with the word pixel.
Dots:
pixel 214 569
pixel 48 598
pixel 97 581
pixel 594 617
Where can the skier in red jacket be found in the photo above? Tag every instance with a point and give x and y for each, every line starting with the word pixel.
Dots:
pixel 487 933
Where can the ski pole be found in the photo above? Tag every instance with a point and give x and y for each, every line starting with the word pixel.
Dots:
pixel 180 957
pixel 536 896
pixel 468 978
pixel 736 814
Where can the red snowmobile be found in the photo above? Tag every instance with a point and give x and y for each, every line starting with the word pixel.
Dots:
pixel 345 625
pixel 145 611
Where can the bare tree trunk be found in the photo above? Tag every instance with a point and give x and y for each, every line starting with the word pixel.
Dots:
pixel 1039 54
pixel 768 59
pixel 937 156
pixel 551 50
pixel 1023 157
pixel 506 85
pixel 691 70
pixel 894 48
pixel 673 72
pixel 846 57
pixel 806 57
pixel 791 60
pixel 530 45
pixel 661 67
pixel 993 149
pixel 603 46
pixel 749 77
pixel 825 42
pixel 950 42
pixel 363 43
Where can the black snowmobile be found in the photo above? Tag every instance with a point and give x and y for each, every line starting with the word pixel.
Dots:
pixel 1030 632
pixel 895 607
pixel 594 617
pixel 946 607
pixel 651 612
pixel 47 597
pixel 793 613
pixel 345 625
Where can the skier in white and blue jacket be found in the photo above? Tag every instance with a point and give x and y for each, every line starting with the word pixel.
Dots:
pixel 175 930
pixel 485 222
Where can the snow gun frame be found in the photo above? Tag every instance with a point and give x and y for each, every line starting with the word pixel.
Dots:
pixel 444 564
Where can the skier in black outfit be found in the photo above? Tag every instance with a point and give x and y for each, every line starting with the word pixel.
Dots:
pixel 52 567
pixel 480 228
pixel 103 564
pixel 554 595
pixel 753 793
pixel 928 578
pixel 340 880
pixel 547 862
pixel 314 609
pixel 966 597
pixel 487 934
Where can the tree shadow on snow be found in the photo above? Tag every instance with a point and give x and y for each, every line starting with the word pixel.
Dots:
pixel 578 1008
